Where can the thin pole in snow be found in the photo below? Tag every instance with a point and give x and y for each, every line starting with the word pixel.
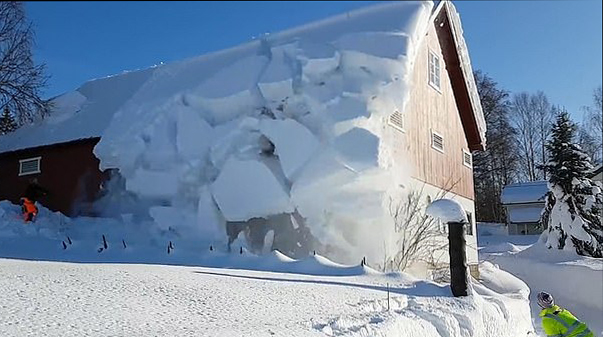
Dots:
pixel 387 296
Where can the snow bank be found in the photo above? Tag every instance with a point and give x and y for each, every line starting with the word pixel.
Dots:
pixel 177 300
pixel 351 299
pixel 574 281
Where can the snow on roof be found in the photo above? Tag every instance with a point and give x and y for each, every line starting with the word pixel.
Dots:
pixel 521 193
pixel 88 111
pixel 80 114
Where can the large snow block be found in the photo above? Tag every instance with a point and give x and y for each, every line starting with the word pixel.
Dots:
pixel 240 76
pixel 347 108
pixel 358 149
pixel 294 143
pixel 247 189
pixel 194 134
pixel 381 44
pixel 153 184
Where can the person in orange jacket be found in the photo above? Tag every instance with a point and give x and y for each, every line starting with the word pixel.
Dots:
pixel 28 202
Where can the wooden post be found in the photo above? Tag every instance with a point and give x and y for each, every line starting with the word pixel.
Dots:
pixel 388 297
pixel 458 258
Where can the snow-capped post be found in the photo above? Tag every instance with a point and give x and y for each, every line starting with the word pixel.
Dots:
pixel 452 213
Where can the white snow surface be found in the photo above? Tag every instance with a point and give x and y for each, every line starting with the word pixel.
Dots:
pixel 574 281
pixel 134 287
pixel 447 210
pixel 66 299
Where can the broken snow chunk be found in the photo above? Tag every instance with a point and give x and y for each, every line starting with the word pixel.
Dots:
pixel 247 189
pixel 294 143
pixel 358 149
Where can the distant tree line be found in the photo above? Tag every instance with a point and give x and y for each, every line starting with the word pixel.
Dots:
pixel 519 126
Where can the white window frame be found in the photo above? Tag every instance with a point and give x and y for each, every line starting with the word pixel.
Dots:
pixel 21 161
pixel 395 125
pixel 437 70
pixel 433 133
pixel 467 153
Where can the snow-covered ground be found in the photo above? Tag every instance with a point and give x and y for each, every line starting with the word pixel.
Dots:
pixel 67 299
pixel 217 293
pixel 575 282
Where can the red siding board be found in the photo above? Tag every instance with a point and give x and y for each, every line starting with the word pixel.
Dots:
pixel 68 170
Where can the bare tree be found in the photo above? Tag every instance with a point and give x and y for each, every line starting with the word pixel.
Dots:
pixel 416 232
pixel 532 116
pixel 545 115
pixel 20 79
pixel 591 131
pixel 495 167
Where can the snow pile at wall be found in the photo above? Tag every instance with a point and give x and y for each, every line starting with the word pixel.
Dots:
pixel 292 124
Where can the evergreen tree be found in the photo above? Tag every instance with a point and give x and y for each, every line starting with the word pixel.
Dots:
pixel 574 202
pixel 7 122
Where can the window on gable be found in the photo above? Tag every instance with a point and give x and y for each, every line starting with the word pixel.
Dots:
pixel 29 166
pixel 434 70
pixel 467 159
pixel 396 121
pixel 437 141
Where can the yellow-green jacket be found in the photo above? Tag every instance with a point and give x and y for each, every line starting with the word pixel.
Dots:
pixel 558 322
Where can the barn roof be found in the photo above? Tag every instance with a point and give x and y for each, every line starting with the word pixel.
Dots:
pixel 88 111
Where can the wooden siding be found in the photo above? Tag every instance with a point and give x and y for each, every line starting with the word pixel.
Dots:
pixel 68 170
pixel 434 110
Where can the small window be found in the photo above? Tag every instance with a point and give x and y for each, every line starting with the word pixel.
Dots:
pixel 437 141
pixel 469 225
pixel 29 166
pixel 467 159
pixel 396 121
pixel 434 70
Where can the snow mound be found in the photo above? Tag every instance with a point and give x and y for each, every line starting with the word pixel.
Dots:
pixel 447 210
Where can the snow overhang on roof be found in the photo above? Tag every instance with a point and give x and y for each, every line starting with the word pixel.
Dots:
pixel 524 193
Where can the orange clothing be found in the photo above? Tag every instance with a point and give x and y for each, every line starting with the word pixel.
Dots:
pixel 29 208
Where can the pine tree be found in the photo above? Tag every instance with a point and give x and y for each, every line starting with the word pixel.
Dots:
pixel 7 122
pixel 574 202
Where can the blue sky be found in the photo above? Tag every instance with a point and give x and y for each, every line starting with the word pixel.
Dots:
pixel 553 46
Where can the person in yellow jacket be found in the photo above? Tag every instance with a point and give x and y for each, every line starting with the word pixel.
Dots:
pixel 558 322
